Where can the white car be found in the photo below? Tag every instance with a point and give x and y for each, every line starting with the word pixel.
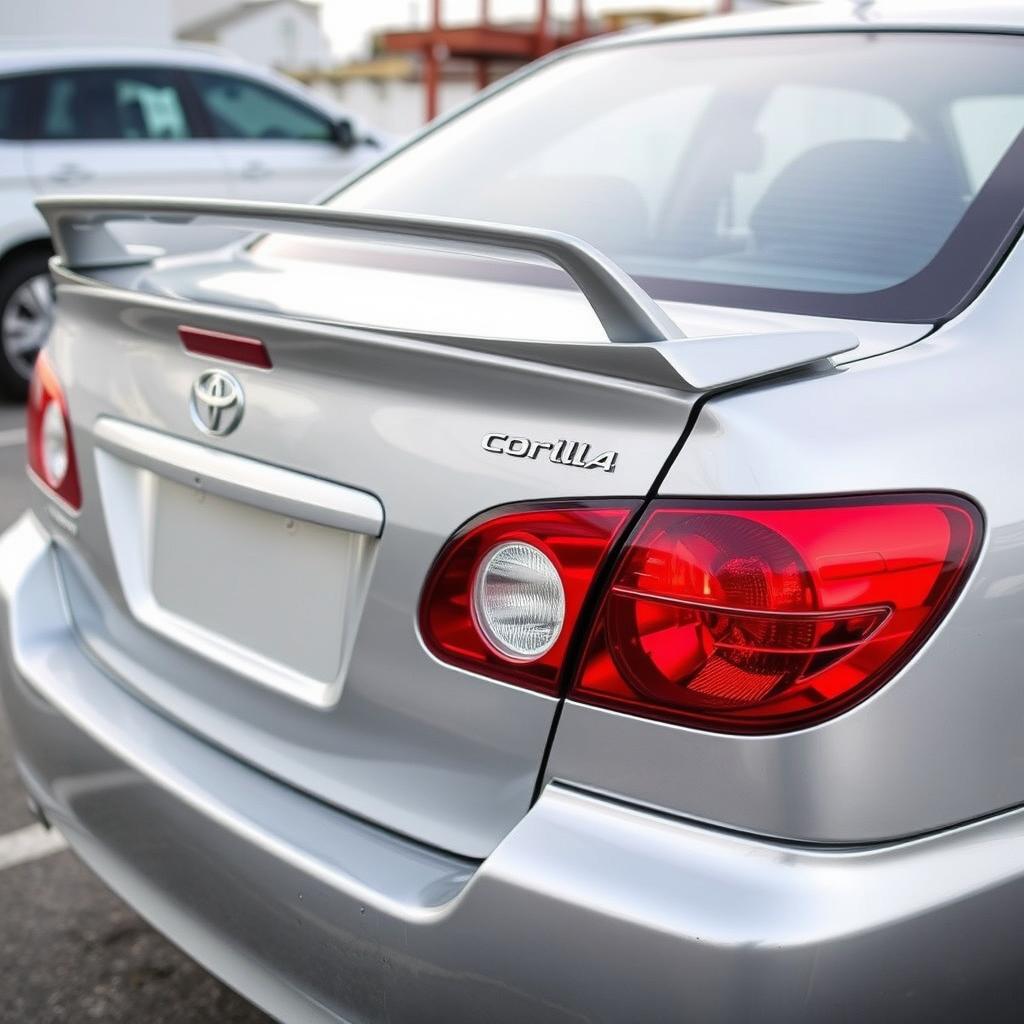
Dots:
pixel 173 121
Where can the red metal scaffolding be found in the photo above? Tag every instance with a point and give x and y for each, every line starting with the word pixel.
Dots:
pixel 483 43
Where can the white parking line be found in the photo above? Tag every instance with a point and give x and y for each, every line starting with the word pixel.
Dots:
pixel 29 843
pixel 11 438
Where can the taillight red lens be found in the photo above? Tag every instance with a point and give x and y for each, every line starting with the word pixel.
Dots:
pixel 504 595
pixel 51 449
pixel 769 616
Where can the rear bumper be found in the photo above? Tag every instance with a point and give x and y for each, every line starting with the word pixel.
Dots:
pixel 586 911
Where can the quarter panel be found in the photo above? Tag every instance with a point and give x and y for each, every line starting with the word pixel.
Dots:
pixel 942 742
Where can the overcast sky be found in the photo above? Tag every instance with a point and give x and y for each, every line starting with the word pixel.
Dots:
pixel 350 22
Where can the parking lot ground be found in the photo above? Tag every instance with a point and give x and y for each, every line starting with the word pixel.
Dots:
pixel 71 951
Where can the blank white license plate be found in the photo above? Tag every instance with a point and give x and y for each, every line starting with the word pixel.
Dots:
pixel 274 586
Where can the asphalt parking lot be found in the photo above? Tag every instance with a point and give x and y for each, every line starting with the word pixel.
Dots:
pixel 71 951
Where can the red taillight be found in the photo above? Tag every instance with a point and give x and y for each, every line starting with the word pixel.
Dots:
pixel 51 449
pixel 766 616
pixel 513 562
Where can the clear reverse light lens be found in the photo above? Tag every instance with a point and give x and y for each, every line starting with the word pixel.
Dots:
pixel 54 445
pixel 519 601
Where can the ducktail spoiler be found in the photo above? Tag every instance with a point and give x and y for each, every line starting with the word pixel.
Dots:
pixel 646 344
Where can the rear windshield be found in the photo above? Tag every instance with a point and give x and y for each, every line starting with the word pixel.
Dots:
pixel 873 176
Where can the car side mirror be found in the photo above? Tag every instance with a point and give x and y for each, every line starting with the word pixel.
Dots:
pixel 346 137
pixel 345 134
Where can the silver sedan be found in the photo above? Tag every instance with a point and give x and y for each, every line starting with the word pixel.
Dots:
pixel 571 574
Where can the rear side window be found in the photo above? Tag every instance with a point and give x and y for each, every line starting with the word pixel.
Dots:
pixel 106 103
pixel 869 175
pixel 242 109
pixel 12 107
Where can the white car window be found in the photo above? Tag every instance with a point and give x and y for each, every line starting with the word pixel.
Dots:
pixel 108 103
pixel 241 109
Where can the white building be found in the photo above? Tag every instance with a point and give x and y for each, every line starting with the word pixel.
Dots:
pixel 78 21
pixel 276 33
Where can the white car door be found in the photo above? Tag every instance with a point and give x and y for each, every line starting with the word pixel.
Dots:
pixel 275 146
pixel 123 130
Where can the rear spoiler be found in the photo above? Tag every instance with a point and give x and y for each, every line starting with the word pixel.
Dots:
pixel 646 344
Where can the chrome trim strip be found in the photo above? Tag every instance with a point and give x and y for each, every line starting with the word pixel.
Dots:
pixel 240 479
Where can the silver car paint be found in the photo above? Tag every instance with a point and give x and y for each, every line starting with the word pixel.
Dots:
pixel 582 908
pixel 393 418
pixel 467 786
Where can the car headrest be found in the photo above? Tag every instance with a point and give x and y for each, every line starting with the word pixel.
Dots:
pixel 873 206
pixel 133 120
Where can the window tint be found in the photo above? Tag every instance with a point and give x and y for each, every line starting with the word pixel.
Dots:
pixel 7 109
pixel 847 174
pixel 112 104
pixel 11 108
pixel 240 109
